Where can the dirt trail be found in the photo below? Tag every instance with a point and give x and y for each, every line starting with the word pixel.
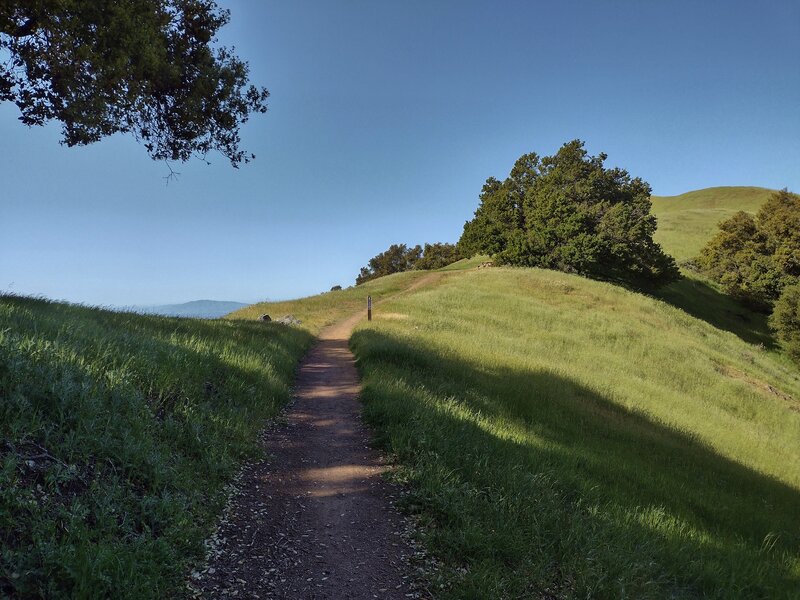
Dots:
pixel 315 520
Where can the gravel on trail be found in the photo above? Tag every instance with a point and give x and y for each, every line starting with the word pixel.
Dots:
pixel 315 519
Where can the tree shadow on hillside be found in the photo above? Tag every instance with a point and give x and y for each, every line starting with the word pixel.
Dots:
pixel 527 454
pixel 701 300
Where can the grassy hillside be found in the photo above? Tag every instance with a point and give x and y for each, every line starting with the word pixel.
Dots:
pixel 688 221
pixel 117 435
pixel 560 437
pixel 323 309
pixel 567 438
pixel 685 224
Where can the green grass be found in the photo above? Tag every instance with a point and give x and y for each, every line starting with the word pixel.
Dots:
pixel 316 312
pixel 685 224
pixel 567 438
pixel 688 221
pixel 118 433
pixel 703 299
pixel 560 437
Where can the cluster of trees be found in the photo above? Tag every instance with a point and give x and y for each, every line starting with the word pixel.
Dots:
pixel 150 68
pixel 568 212
pixel 757 260
pixel 399 258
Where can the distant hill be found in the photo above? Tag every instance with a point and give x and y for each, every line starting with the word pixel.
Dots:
pixel 686 222
pixel 197 309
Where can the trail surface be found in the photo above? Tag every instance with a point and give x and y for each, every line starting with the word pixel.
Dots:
pixel 316 519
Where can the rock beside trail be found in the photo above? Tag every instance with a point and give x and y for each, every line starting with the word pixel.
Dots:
pixel 288 320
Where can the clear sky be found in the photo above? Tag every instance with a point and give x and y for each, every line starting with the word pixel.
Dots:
pixel 384 121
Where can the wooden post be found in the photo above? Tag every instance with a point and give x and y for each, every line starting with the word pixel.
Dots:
pixel 369 308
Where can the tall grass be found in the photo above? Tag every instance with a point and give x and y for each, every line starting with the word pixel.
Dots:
pixel 118 433
pixel 568 438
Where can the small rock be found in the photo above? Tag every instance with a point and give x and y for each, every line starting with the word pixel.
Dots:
pixel 288 320
pixel 265 318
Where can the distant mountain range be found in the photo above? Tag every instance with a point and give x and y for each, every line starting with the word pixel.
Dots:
pixel 197 309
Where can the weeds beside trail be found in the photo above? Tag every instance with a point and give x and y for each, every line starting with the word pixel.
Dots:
pixel 118 433
pixel 567 438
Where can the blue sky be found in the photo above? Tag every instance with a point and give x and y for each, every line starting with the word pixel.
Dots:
pixel 384 121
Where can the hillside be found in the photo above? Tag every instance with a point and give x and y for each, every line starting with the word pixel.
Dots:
pixel 558 437
pixel 686 222
pixel 118 433
pixel 566 437
pixel 315 312
pixel 540 419
pixel 197 309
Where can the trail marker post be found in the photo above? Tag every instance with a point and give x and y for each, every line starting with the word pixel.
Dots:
pixel 369 308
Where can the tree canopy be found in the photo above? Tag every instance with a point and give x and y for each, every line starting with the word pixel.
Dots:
pixel 568 212
pixel 755 258
pixel 150 68
pixel 396 259
pixel 438 255
pixel 785 319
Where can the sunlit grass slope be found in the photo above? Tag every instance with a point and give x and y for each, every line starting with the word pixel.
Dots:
pixel 685 224
pixel 567 438
pixel 318 311
pixel 117 435
pixel 688 221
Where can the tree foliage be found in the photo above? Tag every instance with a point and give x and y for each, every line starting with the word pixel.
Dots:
pixel 785 319
pixel 438 255
pixel 755 258
pixel 150 68
pixel 396 259
pixel 568 212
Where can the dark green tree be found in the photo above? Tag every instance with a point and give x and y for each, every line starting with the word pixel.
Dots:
pixel 438 255
pixel 396 259
pixel 785 319
pixel 150 68
pixel 499 215
pixel 568 212
pixel 779 221
pixel 755 258
pixel 488 231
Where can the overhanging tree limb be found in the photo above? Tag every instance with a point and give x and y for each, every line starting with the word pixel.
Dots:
pixel 150 68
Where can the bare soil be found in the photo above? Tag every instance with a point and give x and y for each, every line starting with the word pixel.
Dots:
pixel 316 519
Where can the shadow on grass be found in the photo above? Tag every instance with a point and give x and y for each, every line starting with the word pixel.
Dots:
pixel 536 485
pixel 701 300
